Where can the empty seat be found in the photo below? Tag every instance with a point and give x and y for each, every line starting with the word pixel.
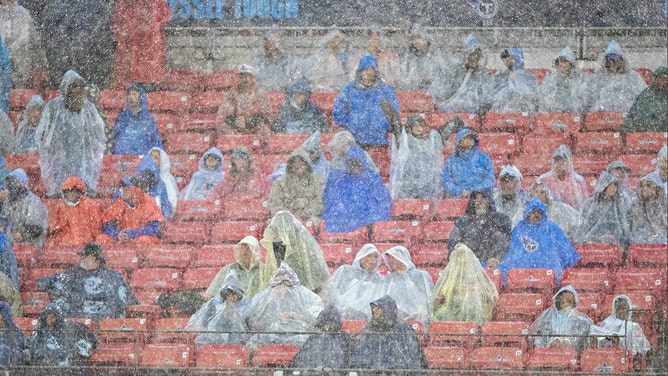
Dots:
pixel 28 283
pixel 19 98
pixel 497 358
pixel 337 254
pixel 26 254
pixel 156 279
pixel 166 355
pixel 122 257
pixel 234 231
pixel 607 360
pixel 590 164
pixel 496 276
pixel 195 233
pixel 608 255
pixel 519 307
pixel 643 255
pixel 168 101
pixel 552 359
pixel 453 333
pixel 245 209
pixel 189 142
pixel 124 330
pixel 554 123
pixel 506 334
pixel 356 238
pixel 198 210
pixel 541 281
pixel 395 232
pixel 221 79
pixel 57 256
pixel 447 357
pixel 415 101
pixel 499 144
pixel 639 164
pixel 34 302
pixel 182 80
pixel 223 356
pixel 115 354
pixel 506 121
pixel 591 304
pixel 411 209
pixel 285 143
pixel 169 256
pixel 27 324
pixel 588 280
pixel 607 143
pixel 437 231
pixel 214 255
pixel 645 142
pixel 450 208
pixel 430 254
pixel 439 118
pixel 268 356
pixel 168 124
pixel 603 121
pixel 171 330
pixel 226 143
pixel 199 278
pixel 642 280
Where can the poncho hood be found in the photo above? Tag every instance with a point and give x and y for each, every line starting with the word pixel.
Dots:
pixel 73 182
pixel 300 86
pixel 567 288
pixel 470 206
pixel 284 276
pixel 389 307
pixel 366 250
pixel 402 254
pixel 566 53
pixel 202 163
pixel 604 181
pixel 472 44
pixel 142 97
pixel 367 61
pixel 518 57
pixel 535 204
pixel 461 134
pixel 20 176
pixel 69 78
pixel 330 319
pixel 629 312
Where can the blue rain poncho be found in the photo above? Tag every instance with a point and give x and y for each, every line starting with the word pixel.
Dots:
pixel 158 188
pixel 353 201
pixel 516 89
pixel 564 93
pixel 24 142
pixel 26 214
pixel 543 245
pixel 135 133
pixel 5 76
pixel 630 333
pixel 306 118
pixel 12 340
pixel 470 170
pixel 8 265
pixel 648 217
pixel 204 180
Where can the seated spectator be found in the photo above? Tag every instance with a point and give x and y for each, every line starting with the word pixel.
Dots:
pixel 604 215
pixel 328 348
pixel 77 218
pixel 299 191
pixel 331 66
pixel 417 162
pixel 467 169
pixel 338 149
pixel 408 286
pixel 618 330
pixel 615 85
pixel 147 177
pixel 135 219
pixel 388 342
pixel 388 60
pixel 516 89
pixel 483 229
pixel 297 114
pixel 27 217
pixel 25 142
pixel 509 197
pixel 89 289
pixel 567 218
pixel 6 134
pixel 319 163
pixel 59 342
pixel 648 213
pixel 12 340
pixel 464 292
pixel 650 108
pixel 355 197
pixel 562 326
pixel 246 108
pixel 283 310
pixel 135 129
pixel 243 179
pixel 537 242
pixel 565 89
pixel 246 269
pixel 10 293
pixel 564 183
pixel 209 174
pixel 8 266
pixel 181 304
pixel 286 239
pixel 619 170
pixel 275 66
pixel 161 160
pixel 358 284
pixel 661 172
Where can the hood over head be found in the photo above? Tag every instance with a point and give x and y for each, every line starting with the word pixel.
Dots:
pixel 299 153
pixel 143 100
pixel 518 57
pixel 389 307
pixel 300 86
pixel 20 176
pixel 629 312
pixel 313 144
pixel 69 78
pixel 73 182
pixel 614 49
pixel 566 53
pixel 535 204
pixel 617 164
pixel 202 164
pixel 417 30
pixel 53 308
pixel 342 139
pixel 472 44
pixel 329 319
pixel 35 101
pixel 510 171
pixel 367 61
pixel 567 288
pixel 231 284
pixel 356 152
pixel 285 276
pixel 400 253
pixel 604 181
pixel 366 250
pixel 470 205
pixel 464 132
pixel 254 245
pixel 654 178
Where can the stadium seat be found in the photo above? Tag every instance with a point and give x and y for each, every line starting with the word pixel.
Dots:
pixel 168 124
pixel 646 74
pixel 411 209
pixel 166 355
pixel 196 123
pixel 155 280
pixel 124 330
pixel 542 147
pixel 356 238
pixel 169 256
pixel 115 354
pixel 19 98
pixel 26 254
pixel 221 80
pixel 223 356
pixel 269 163
pixel 337 254
pixel 28 162
pixel 453 333
pixel 552 359
pixel 171 330
pixel 415 101
pixel 439 118
pixel 112 100
pixel 147 311
pixel 28 284
pixel 607 143
pixel 27 324
pixel 606 360
pixel 533 280
pixel 640 164
pixel 595 255
pixel 506 122
pixel 533 164
pixel 499 143
pixel 285 143
pixel 246 209
pixel 540 73
pixel 214 256
pixel 195 233
pixel 430 255
pixel 556 123
pixel 189 143
pixel 198 278
pixel 207 102
pixel 642 280
pixel 234 231
pixel 405 232
pixel 505 334
pixel 122 257
pixel 598 280
pixel 519 307
pixel 437 231
pixel 168 101
pixel 590 164
pixel 450 209
pixel 643 255
pixel 34 302
pixel 275 100
pixel 450 358
pixel 591 304
pixel 227 142
pixel 496 277
pixel 182 80
pixel 497 358
pixel 602 121
pixel 269 356
pixel 198 210
pixel 645 142
pixel 58 256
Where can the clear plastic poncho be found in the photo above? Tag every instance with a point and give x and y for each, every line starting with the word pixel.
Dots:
pixel 648 217
pixel 6 134
pixel 416 165
pixel 564 215
pixel 572 189
pixel 516 89
pixel 167 177
pixel 204 181
pixel 630 333
pixel 565 93
pixel 25 142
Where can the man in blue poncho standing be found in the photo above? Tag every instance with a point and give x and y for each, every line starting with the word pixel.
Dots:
pixel 135 130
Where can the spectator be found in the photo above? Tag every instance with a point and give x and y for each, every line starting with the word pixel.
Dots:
pixel 246 108
pixel 319 163
pixel 209 175
pixel 358 284
pixel 509 197
pixel 563 182
pixel 282 311
pixel 27 217
pixel 12 340
pixel 338 148
pixel 247 269
pixel 275 66
pixel 139 30
pixel 135 129
pixel 464 292
pixel 567 218
pixel 5 77
pixel 619 170
pixel 299 190
pixel 467 169
pixel 147 177
pixel 70 137
pixel 565 89
pixel 181 304
pixel 25 142
pixel 161 160
pixel 648 213
pixel 331 66
pixel 470 81
pixel 417 162
pixel 243 179
pixel 562 326
pixel 76 219
pixel 516 88
pixel 661 172
pixel 620 331
pixel 388 60
pixel 8 265
pixel 298 114
pixel 387 342
pixel 650 108
pixel 537 242
pixel 59 342
pixel 6 134
pixel 10 293
pixel 356 196
pixel 615 85
pixel 134 219
pixel 483 229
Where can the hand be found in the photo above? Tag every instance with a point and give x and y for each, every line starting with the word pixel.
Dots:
pixel 240 123
pixel 492 263
pixel 17 237
pixel 465 194
pixel 123 237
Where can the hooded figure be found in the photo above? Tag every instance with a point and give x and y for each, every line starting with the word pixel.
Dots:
pixel 275 66
pixel 509 196
pixel 77 219
pixel 319 163
pixel 615 85
pixel 243 179
pixel 483 229
pixel 298 114
pixel 59 342
pixel 356 196
pixel 8 265
pixel 564 215
pixel 338 149
pixel 423 65
pixel 209 174
pixel 516 89
pixel 649 112
pixel 135 130
pixel 417 162
pixel 648 215
pixel 245 109
pixel 358 284
pixel 25 142
pixel 12 340
pixel 147 176
pixel 387 343
pixel 328 348
pixel 604 215
pixel 661 172
pixel 247 269
pixel 331 66
pixel 27 217
pixel 464 291
pixel 565 89
pixel 284 309
pixel 620 325
pixel 467 169
pixel 70 137
pixel 357 107
pixel 537 242
pixel 620 171
pixel 161 159
pixel 23 41
pixel 388 60
pixel 286 239
pixel 564 183
pixel 408 286
pixel 562 325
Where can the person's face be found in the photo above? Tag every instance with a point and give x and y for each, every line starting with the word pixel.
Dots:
pixel 245 81
pixel 619 173
pixel 561 166
pixel 538 191
pixel 128 196
pixel 232 297
pixel 419 129
pixel 394 264
pixel 467 142
pixel 565 300
pixel 89 262
pixel 35 114
pixel 155 155
pixel 420 44
pixel 13 184
pixel 473 60
pixel 74 98
pixel 481 203
pixel 299 167
pixel 508 61
pixel 564 66
pixel 508 186
pixel 72 195
pixel 662 166
pixel 615 66
pixel 369 261
pixel 270 48
pixel 376 312
pixel 241 164
pixel 244 255
pixel 611 190
pixel 368 76
pixel 535 216
pixel 211 161
pixel 355 167
pixel 134 100
pixel 299 99
pixel 647 190
pixel 621 309
pixel 51 319
pixel 661 82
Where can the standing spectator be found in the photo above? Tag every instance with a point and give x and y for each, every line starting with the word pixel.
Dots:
pixel 331 66
pixel 27 217
pixel 275 66
pixel 12 340
pixel 161 159
pixel 388 60
pixel 565 89
pixel 77 219
pixel 209 175
pixel 70 137
pixel 139 30
pixel 563 182
pixel 8 265
pixel 135 129
pixel 5 76
pixel 93 96
pixel 243 179
pixel 510 198
pixel 564 215
pixel 297 114
pixel 247 269
pixel 648 212
pixel 246 108
pixel 649 112
pixel 467 169
pixel 516 88
pixel 25 142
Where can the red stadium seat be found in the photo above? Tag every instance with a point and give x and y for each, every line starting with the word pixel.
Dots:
pixel 285 143
pixel 453 333
pixel 447 358
pixel 646 74
pixel 552 359
pixel 608 255
pixel 221 80
pixel 640 164
pixel 199 278
pixel 439 118
pixel 57 256
pixel 533 164
pixel 189 143
pixel 226 143
pixel 540 73
pixel 115 354
pixel 588 280
pixel 603 121
pixel 540 146
pixel 198 210
pixel 430 254
pixel 182 80
pixel 497 358
pixel 168 101
pixel 112 100
pixel 506 122
pixel 269 356
pixel 607 360
pixel 28 284
pixel 169 256
pixel 168 124
pixel 122 257
pixel 643 255
pixel 607 143
pixel 19 98
pixel 555 123
pixel 26 254
pixel 591 304
pixel 450 208
pixel 155 279
pixel 506 334
pixel 499 144
pixel 338 254
pixel 234 231
pixel 195 233
pixel 124 330
pixel 356 238
pixel 642 280
pixel 411 209
pixel 171 330
pixel 437 231
pixel 541 281
pixel 275 100
pixel 208 101
pixel 223 356
pixel 269 163
pixel 214 255
pixel 27 324
pixel 34 302
pixel 645 142
pixel 415 101
pixel 590 164
pixel 353 326
pixel 520 307
pixel 166 355
pixel 396 232
pixel 496 276
pixel 246 209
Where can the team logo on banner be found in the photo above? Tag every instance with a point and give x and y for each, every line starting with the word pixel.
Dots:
pixel 486 8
